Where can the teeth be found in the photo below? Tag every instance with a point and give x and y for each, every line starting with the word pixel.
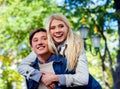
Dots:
pixel 58 35
pixel 40 47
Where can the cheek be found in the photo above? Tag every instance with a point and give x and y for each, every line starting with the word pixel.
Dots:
pixel 51 34
pixel 46 43
pixel 66 31
pixel 33 44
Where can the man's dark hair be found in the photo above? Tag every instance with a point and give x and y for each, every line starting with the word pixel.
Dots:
pixel 33 33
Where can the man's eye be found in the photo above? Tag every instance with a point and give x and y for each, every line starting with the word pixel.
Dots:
pixel 35 40
pixel 45 38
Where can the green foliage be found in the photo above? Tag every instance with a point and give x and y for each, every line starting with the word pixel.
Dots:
pixel 8 74
pixel 19 18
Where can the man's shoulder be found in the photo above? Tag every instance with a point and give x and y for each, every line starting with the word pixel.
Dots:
pixel 34 62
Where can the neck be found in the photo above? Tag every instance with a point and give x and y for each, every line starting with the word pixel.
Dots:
pixel 43 58
pixel 62 43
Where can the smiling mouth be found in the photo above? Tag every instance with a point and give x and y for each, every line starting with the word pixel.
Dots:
pixel 58 36
pixel 41 47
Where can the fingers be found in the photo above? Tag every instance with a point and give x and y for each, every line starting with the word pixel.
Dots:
pixel 51 86
pixel 46 81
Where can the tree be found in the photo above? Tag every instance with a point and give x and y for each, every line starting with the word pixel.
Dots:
pixel 117 72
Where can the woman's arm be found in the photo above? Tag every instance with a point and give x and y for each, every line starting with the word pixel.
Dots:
pixel 26 70
pixel 81 76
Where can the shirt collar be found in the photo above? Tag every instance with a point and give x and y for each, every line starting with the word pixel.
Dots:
pixel 62 48
pixel 61 45
pixel 53 57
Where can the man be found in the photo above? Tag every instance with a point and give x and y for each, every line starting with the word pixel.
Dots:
pixel 44 61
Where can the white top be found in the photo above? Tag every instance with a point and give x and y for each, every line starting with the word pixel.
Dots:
pixel 47 67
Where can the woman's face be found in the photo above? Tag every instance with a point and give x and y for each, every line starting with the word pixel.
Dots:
pixel 58 31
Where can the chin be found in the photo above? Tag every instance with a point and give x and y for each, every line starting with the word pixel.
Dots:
pixel 39 53
pixel 59 41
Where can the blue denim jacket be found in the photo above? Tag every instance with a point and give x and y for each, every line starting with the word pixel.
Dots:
pixel 59 66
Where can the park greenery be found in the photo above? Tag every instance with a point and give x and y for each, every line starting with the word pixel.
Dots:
pixel 19 17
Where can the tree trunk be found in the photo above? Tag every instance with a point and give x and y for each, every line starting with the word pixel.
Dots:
pixel 117 72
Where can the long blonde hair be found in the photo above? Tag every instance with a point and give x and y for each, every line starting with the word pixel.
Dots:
pixel 74 41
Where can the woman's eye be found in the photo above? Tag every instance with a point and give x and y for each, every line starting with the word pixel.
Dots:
pixel 51 28
pixel 61 26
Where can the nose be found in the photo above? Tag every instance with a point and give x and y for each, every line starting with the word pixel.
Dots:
pixel 57 29
pixel 40 42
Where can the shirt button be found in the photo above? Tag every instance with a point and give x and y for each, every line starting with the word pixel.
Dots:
pixel 27 72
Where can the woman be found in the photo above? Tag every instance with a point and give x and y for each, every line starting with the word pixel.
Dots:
pixel 70 45
pixel 67 43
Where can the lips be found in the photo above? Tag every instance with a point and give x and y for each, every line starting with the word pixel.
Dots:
pixel 58 35
pixel 40 47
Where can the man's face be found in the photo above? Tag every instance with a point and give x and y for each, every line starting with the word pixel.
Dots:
pixel 40 43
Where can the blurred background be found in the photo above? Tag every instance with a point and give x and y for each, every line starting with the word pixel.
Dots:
pixel 98 22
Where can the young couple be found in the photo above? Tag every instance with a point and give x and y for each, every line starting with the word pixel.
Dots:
pixel 59 60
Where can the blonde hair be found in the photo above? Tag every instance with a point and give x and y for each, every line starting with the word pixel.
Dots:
pixel 74 41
